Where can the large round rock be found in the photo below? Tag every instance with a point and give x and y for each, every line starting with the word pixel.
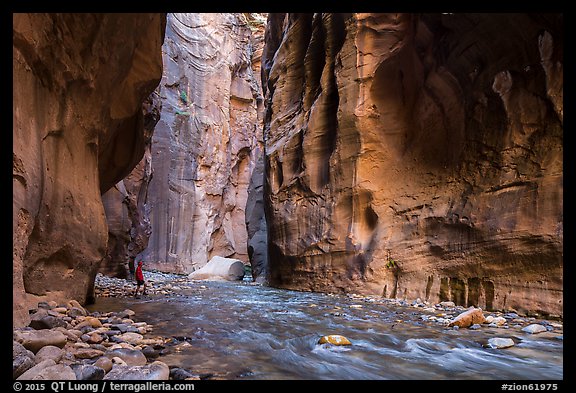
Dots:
pixel 220 268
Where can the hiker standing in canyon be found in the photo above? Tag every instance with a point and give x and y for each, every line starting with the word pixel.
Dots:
pixel 140 280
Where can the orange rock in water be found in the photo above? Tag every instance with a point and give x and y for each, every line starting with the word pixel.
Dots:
pixel 334 339
pixel 468 318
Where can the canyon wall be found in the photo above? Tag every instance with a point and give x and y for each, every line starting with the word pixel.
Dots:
pixel 417 156
pixel 125 205
pixel 79 81
pixel 207 142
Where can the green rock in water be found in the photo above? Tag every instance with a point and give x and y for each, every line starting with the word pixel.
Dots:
pixel 334 339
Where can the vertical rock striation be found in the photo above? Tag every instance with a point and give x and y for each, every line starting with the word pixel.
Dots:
pixel 416 156
pixel 79 81
pixel 125 205
pixel 206 144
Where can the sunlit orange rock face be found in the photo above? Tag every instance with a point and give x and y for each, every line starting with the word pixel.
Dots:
pixel 79 83
pixel 207 142
pixel 417 156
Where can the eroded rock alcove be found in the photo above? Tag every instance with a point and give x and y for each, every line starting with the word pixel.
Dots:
pixel 417 156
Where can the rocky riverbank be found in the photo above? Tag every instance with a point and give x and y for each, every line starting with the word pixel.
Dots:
pixel 157 283
pixel 450 316
pixel 67 342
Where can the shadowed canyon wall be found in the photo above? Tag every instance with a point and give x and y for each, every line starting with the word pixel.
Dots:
pixel 79 81
pixel 125 205
pixel 207 143
pixel 417 156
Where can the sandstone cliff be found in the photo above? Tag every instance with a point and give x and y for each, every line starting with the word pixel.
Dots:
pixel 79 82
pixel 417 156
pixel 125 205
pixel 206 144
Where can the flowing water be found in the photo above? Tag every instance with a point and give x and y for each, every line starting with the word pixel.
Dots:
pixel 244 331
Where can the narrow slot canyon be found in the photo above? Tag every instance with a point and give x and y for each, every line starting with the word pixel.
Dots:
pixel 312 196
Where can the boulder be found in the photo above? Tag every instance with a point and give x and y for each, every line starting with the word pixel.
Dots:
pixel 130 338
pixel 131 357
pixel 42 320
pixel 468 318
pixel 36 339
pixel 88 372
pixel 219 268
pixel 104 363
pixel 19 350
pixel 20 364
pixel 49 370
pixel 88 353
pixel 498 342
pixel 534 328
pixel 49 352
pixel 179 374
pixel 156 371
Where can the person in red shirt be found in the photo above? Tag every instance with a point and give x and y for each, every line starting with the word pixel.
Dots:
pixel 140 280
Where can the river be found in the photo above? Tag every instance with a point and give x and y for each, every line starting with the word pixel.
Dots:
pixel 238 330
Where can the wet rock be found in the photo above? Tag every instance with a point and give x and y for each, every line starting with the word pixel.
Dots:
pixel 497 321
pixel 180 374
pixel 534 328
pixel 475 327
pixel 36 339
pixel 468 318
pixel 131 357
pixel 88 372
pixel 155 371
pixel 150 352
pixel 49 352
pixel 126 313
pixel 499 343
pixel 334 339
pixel 122 327
pixel 104 363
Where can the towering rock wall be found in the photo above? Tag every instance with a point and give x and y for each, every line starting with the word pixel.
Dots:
pixel 79 82
pixel 206 144
pixel 417 156
pixel 125 205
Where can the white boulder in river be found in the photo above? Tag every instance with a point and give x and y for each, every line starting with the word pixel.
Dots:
pixel 220 268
